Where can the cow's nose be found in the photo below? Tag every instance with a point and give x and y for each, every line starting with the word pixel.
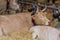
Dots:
pixel 49 23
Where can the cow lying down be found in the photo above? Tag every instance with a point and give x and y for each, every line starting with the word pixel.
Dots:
pixel 45 33
pixel 9 23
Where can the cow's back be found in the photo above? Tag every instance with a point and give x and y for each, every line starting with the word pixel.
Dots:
pixel 10 23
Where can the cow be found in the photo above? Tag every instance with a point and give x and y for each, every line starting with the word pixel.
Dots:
pixel 20 21
pixel 45 33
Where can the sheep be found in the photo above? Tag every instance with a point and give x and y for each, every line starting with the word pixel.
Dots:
pixel 45 33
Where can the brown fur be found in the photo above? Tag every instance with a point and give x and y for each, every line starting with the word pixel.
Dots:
pixel 10 23
pixel 40 18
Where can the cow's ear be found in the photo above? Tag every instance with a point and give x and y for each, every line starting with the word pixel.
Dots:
pixel 44 13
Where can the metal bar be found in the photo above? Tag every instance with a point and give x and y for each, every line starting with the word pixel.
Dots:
pixel 25 2
pixel 42 5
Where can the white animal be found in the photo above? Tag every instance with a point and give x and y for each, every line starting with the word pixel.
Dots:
pixel 45 33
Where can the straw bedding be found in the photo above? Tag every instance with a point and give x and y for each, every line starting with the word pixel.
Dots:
pixel 17 35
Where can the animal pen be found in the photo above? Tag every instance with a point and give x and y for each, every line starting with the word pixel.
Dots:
pixel 29 19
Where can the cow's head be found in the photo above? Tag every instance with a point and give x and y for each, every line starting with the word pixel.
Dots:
pixel 40 18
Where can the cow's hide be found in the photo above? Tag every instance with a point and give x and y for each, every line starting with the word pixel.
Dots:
pixel 9 23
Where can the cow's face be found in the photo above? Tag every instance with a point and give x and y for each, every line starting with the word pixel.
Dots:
pixel 40 18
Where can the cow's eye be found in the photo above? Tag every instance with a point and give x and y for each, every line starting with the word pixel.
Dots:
pixel 41 16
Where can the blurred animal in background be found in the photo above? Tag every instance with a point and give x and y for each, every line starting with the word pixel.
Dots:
pixel 14 5
pixel 9 6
